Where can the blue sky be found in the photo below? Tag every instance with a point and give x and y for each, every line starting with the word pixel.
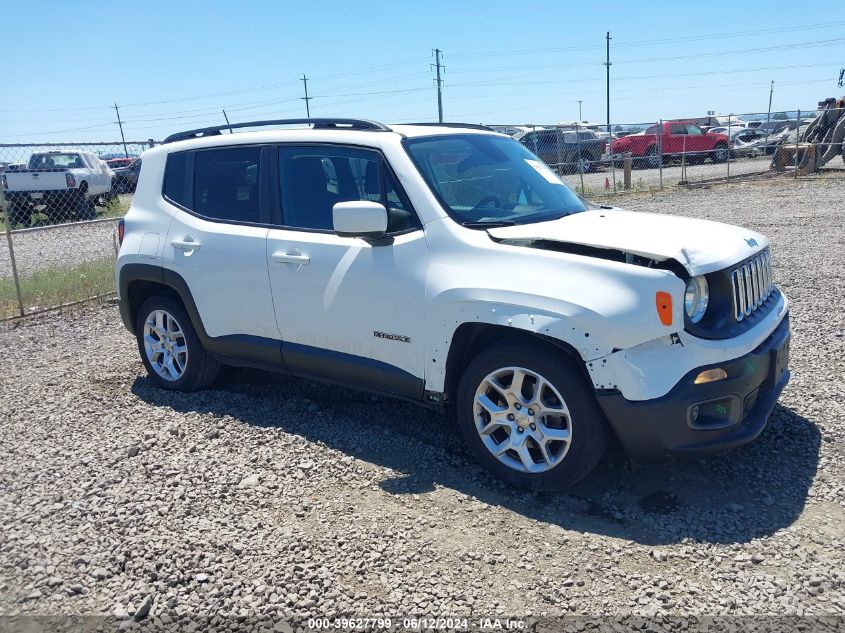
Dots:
pixel 175 65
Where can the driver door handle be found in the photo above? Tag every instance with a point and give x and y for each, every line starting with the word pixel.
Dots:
pixel 291 258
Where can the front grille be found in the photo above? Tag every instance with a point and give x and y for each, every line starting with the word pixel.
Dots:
pixel 752 283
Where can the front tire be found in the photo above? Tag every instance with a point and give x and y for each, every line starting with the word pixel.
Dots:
pixel 527 414
pixel 170 348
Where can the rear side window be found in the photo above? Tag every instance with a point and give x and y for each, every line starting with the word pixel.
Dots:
pixel 226 184
pixel 174 178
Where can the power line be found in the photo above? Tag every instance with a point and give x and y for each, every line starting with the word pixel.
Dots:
pixel 637 43
pixel 500 81
pixel 217 95
pixel 567 65
pixel 372 69
pixel 763 49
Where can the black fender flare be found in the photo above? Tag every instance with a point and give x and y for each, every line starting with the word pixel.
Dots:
pixel 255 350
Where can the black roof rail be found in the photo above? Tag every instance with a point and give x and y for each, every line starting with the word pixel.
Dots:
pixel 469 126
pixel 351 124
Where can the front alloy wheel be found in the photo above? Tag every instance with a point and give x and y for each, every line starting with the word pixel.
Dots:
pixel 522 419
pixel 527 413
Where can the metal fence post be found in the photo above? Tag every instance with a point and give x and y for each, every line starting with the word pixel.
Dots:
pixel 8 225
pixel 660 151
pixel 612 160
pixel 797 139
pixel 580 163
pixel 729 147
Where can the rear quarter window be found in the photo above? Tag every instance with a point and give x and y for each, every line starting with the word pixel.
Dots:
pixel 175 183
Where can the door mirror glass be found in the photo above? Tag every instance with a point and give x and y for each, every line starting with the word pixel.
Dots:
pixel 359 218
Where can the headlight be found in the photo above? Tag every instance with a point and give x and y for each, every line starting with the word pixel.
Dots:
pixel 696 298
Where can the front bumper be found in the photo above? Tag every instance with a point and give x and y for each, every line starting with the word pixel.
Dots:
pixel 695 419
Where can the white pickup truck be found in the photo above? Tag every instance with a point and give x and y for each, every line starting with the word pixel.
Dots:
pixel 66 183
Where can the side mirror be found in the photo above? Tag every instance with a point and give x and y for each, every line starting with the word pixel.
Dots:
pixel 359 218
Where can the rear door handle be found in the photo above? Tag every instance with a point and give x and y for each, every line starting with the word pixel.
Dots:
pixel 291 258
pixel 186 245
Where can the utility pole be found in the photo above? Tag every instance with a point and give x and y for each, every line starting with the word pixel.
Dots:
pixel 437 52
pixel 120 125
pixel 306 98
pixel 768 116
pixel 607 64
pixel 579 110
pixel 227 121
pixel 771 92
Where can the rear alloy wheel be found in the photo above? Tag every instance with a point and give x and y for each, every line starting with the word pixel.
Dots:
pixel 165 345
pixel 650 160
pixel 720 153
pixel 527 414
pixel 583 165
pixel 170 348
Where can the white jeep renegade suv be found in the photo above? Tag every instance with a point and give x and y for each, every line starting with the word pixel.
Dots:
pixel 447 265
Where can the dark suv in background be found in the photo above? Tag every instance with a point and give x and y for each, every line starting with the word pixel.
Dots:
pixel 126 176
pixel 565 150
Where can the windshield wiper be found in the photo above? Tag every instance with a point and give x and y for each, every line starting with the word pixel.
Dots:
pixel 487 224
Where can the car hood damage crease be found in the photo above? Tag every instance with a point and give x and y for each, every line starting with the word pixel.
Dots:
pixel 700 246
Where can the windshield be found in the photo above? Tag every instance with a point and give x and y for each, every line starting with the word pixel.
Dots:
pixel 490 180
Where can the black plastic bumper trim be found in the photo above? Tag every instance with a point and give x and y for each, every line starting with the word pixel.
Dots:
pixel 654 430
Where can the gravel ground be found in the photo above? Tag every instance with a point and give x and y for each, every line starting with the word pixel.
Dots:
pixel 269 496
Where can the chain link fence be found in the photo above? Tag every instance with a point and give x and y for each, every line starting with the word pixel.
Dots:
pixel 61 203
pixel 653 155
pixel 61 200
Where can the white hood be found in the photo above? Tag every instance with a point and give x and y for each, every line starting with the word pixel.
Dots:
pixel 701 246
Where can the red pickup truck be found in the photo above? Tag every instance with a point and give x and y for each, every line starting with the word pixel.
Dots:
pixel 677 139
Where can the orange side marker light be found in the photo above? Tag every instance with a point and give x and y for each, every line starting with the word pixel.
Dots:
pixel 664 307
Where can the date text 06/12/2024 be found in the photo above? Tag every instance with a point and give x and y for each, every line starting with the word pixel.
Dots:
pixel 417 624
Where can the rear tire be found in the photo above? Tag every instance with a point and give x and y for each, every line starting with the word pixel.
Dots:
pixel 564 407
pixel 85 207
pixel 720 153
pixel 19 214
pixel 652 158
pixel 170 348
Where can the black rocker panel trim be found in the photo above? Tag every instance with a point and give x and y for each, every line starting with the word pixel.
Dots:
pixel 272 354
pixel 350 370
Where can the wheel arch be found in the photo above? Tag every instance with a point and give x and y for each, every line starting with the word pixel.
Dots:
pixel 469 339
pixel 139 282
